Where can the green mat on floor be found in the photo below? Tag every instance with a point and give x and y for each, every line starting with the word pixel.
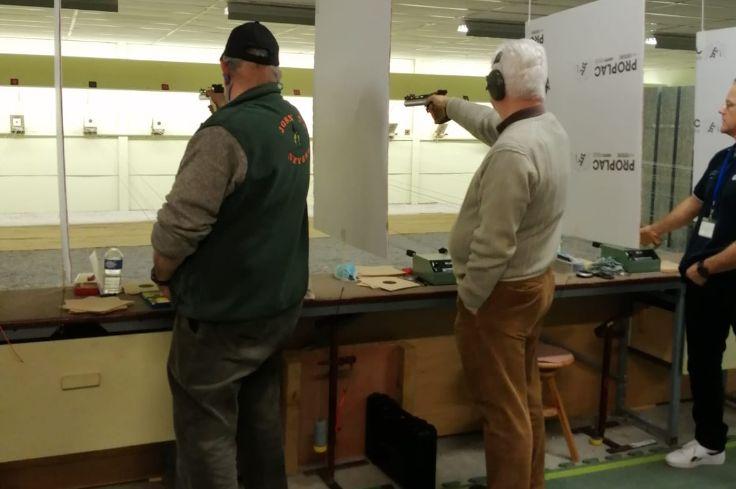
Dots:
pixel 650 470
pixel 630 469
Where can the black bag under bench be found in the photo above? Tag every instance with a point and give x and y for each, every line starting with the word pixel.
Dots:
pixel 403 446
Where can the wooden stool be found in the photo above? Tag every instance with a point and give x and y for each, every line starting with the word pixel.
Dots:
pixel 550 359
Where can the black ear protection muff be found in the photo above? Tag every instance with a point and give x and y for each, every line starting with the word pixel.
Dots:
pixel 495 84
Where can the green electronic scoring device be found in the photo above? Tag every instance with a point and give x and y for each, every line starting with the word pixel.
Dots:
pixel 633 260
pixel 433 268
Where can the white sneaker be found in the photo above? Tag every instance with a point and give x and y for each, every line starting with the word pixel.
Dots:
pixel 692 455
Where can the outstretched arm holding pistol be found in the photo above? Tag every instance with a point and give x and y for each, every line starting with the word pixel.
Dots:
pixel 216 94
pixel 479 120
pixel 429 101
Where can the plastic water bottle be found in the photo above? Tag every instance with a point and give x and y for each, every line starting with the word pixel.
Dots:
pixel 111 284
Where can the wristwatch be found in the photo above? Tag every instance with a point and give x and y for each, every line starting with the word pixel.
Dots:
pixel 703 270
pixel 155 279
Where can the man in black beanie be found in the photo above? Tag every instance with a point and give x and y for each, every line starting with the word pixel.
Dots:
pixel 231 243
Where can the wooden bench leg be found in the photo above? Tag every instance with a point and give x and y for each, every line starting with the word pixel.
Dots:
pixel 291 406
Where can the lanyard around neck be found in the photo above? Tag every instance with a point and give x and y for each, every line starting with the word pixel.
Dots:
pixel 721 179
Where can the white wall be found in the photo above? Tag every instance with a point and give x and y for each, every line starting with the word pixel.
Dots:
pixel 134 170
pixel 124 168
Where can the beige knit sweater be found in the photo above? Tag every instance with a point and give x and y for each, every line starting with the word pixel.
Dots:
pixel 509 226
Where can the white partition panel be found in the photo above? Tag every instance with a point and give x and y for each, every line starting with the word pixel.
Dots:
pixel 596 73
pixel 351 89
pixel 715 73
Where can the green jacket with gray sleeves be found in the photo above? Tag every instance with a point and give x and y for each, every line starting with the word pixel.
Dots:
pixel 254 261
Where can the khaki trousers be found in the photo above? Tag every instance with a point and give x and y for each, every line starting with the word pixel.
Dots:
pixel 498 352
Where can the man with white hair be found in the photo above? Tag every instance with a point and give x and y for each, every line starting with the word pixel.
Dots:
pixel 232 242
pixel 502 246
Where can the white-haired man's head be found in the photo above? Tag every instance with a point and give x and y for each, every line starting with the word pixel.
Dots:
pixel 523 64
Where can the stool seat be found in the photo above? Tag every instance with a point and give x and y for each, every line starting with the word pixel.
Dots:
pixel 551 357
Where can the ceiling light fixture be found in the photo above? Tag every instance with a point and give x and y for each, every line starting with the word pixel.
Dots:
pixel 493 28
pixel 436 7
pixel 271 12
pixel 650 41
pixel 99 5
pixel 684 42
pixel 462 28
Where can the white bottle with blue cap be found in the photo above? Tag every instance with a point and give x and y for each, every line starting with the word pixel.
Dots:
pixel 113 262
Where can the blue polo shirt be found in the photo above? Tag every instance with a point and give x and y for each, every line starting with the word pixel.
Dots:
pixel 724 212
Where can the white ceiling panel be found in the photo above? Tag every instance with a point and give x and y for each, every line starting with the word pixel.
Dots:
pixel 421 28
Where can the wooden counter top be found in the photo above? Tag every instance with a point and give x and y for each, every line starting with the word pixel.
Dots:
pixel 42 307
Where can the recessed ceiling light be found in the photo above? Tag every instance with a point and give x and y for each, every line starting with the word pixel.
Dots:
pixel 433 7
pixel 102 5
pixel 271 12
pixel 462 28
pixel 650 41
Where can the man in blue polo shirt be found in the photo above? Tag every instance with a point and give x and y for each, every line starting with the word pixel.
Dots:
pixel 709 270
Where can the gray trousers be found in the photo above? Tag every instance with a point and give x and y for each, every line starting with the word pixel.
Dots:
pixel 225 382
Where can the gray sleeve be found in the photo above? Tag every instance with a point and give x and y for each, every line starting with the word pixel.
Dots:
pixel 213 165
pixel 478 120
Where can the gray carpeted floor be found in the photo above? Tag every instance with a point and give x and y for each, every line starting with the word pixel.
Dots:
pixel 460 458
pixel 35 269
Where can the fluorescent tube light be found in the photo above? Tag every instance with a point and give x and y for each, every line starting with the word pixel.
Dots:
pixel 99 5
pixel 271 12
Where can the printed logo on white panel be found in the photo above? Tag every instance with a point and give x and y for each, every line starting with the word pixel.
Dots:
pixel 608 67
pixel 609 163
pixel 580 162
pixel 537 35
pixel 709 125
pixel 714 51
pixel 584 70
